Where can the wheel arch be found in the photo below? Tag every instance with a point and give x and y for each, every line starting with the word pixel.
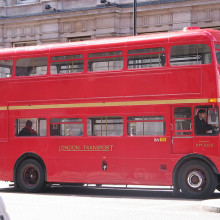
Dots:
pixel 29 155
pixel 187 158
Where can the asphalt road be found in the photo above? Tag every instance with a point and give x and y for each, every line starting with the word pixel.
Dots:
pixel 88 203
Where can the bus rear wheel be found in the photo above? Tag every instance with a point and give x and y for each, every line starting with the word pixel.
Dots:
pixel 30 176
pixel 197 180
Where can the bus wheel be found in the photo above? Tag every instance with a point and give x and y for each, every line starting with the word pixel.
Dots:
pixel 218 187
pixel 30 176
pixel 197 180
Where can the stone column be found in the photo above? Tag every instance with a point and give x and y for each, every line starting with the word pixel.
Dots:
pixel 2 3
pixel 181 19
pixel 2 8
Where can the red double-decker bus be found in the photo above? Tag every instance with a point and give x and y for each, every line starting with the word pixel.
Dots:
pixel 140 110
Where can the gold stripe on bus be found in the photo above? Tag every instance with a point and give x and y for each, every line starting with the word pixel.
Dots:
pixel 3 108
pixel 110 104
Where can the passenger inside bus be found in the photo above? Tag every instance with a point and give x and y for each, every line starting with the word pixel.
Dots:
pixel 201 126
pixel 69 132
pixel 27 130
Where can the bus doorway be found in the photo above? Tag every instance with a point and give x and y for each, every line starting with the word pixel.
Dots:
pixel 182 135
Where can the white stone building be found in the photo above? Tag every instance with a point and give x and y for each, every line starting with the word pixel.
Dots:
pixel 30 22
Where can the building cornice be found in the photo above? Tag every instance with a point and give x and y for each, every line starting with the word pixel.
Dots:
pixel 97 7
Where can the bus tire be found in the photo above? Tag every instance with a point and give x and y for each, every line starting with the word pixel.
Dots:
pixel 197 180
pixel 30 176
pixel 218 188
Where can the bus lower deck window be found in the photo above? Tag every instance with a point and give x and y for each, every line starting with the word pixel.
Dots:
pixel 183 121
pixel 30 127
pixel 66 127
pixel 146 125
pixel 206 120
pixel 105 126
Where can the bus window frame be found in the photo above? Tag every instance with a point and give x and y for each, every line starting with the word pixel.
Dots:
pixel 16 119
pixel 113 116
pixel 194 115
pixel 187 43
pixel 13 66
pixel 176 132
pixel 16 58
pixel 145 114
pixel 103 50
pixel 68 53
pixel 82 122
pixel 147 46
pixel 217 49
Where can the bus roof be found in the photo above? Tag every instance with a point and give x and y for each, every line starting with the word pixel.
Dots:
pixel 188 34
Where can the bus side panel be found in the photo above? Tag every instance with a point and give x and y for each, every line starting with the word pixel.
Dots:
pixel 3 126
pixel 3 138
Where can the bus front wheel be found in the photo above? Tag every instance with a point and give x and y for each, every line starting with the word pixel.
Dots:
pixel 197 180
pixel 30 176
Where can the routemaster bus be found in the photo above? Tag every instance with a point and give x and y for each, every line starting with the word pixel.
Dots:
pixel 121 111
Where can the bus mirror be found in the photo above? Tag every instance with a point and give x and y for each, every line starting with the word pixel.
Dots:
pixel 213 117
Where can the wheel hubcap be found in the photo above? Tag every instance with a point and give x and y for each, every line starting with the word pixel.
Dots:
pixel 30 176
pixel 195 179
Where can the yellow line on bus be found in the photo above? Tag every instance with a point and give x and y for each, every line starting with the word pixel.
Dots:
pixel 3 108
pixel 107 104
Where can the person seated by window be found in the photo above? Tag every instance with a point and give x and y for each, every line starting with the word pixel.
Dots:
pixel 201 126
pixel 81 132
pixel 69 132
pixel 27 130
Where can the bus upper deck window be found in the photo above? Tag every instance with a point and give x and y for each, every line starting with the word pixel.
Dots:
pixel 217 52
pixel 190 54
pixel 67 64
pixel 34 66
pixel 5 68
pixel 146 58
pixel 105 61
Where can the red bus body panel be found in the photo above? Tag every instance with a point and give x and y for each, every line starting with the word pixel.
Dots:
pixel 147 160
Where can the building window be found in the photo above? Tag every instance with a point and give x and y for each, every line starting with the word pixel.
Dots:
pixel 26 1
pixel 74 39
pixel 25 44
